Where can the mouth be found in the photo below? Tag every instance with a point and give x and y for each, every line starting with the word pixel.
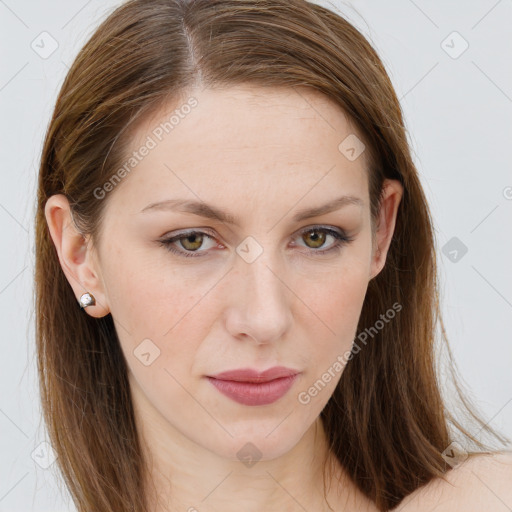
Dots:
pixel 250 387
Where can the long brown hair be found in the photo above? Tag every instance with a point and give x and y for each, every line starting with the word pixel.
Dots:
pixel 386 422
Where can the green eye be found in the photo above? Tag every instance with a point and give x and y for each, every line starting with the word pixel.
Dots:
pixel 316 237
pixel 190 242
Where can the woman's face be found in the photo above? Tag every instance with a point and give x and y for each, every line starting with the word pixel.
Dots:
pixel 267 286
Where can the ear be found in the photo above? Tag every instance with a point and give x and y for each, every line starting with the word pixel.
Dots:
pixel 76 256
pixel 391 196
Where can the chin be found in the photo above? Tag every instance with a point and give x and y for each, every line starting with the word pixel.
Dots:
pixel 259 440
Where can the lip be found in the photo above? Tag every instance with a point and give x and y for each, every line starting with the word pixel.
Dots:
pixel 252 387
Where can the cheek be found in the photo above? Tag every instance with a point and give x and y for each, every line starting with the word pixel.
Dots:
pixel 337 300
pixel 166 314
pixel 337 306
pixel 166 324
pixel 147 294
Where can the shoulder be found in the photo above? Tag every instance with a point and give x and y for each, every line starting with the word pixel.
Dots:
pixel 482 482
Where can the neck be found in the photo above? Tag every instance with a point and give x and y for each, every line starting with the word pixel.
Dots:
pixel 185 476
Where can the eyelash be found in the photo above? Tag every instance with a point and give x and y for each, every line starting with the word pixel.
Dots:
pixel 341 239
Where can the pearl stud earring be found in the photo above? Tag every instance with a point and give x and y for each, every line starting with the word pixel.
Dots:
pixel 87 299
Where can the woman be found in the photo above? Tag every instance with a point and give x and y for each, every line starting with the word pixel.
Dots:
pixel 227 192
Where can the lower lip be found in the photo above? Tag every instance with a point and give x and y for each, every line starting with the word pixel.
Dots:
pixel 252 393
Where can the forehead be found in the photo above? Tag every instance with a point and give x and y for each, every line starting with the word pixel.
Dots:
pixel 247 116
pixel 251 143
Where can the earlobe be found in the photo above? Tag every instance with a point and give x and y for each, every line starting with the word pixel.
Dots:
pixel 75 258
pixel 391 197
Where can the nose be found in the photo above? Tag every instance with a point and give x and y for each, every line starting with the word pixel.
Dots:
pixel 260 302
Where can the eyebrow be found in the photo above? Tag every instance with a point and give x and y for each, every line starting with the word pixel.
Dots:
pixel 211 212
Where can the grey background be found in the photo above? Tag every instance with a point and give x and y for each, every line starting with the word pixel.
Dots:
pixel 458 110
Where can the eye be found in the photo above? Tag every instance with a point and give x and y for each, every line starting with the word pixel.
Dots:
pixel 315 237
pixel 190 242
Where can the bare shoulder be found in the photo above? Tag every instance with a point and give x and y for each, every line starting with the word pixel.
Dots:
pixel 482 482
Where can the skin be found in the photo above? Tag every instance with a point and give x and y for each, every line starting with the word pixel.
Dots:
pixel 261 155
pixel 479 483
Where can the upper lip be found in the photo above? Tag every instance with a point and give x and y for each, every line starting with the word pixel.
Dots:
pixel 252 375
